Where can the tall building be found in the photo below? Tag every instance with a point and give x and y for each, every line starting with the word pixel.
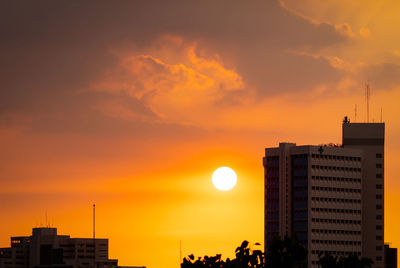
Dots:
pixel 45 249
pixel 314 193
pixel 370 138
pixel 329 197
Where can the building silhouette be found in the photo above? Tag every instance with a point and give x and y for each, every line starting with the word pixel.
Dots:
pixel 390 257
pixel 370 138
pixel 331 196
pixel 45 249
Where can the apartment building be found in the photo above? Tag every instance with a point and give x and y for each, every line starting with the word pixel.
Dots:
pixel 314 193
pixel 370 138
pixel 331 197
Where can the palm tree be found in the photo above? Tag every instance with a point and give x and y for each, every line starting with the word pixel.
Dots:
pixel 245 258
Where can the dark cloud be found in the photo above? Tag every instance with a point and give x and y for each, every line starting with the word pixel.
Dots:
pixel 382 76
pixel 52 51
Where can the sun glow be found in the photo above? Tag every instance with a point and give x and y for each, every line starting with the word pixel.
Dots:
pixel 224 178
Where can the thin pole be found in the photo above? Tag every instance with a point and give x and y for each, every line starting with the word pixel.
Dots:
pixel 355 113
pixel 367 97
pixel 180 251
pixel 94 235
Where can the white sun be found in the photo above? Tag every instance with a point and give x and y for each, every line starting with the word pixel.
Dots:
pixel 224 178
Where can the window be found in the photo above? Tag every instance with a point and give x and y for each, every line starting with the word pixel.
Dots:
pixel 378 155
pixel 379 227
pixel 378 258
pixel 378 206
pixel 378 237
pixel 378 248
pixel 379 176
pixel 378 196
pixel 379 217
pixel 379 186
pixel 378 165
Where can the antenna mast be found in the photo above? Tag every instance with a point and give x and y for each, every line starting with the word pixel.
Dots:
pixel 355 113
pixel 94 235
pixel 381 115
pixel 180 251
pixel 367 97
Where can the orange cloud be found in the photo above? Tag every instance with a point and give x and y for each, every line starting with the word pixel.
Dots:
pixel 365 32
pixel 343 29
pixel 195 84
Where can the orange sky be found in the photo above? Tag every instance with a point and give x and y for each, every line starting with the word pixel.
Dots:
pixel 133 106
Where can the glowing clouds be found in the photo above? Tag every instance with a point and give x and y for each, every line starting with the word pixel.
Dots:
pixel 184 87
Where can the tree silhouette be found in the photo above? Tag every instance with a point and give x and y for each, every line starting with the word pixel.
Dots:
pixel 351 261
pixel 286 253
pixel 245 258
pixel 327 261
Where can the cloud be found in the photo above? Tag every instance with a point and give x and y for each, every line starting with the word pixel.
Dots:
pixel 365 32
pixel 384 76
pixel 183 92
pixel 343 29
pixel 54 52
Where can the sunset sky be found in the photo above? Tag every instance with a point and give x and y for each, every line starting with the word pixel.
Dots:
pixel 133 104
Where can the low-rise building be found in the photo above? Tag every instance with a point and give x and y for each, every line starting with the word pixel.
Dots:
pixel 390 257
pixel 46 249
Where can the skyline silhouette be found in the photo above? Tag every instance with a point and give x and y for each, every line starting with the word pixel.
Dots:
pixel 46 248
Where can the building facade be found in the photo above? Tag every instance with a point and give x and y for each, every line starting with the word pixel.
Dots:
pixel 314 193
pixel 44 248
pixel 370 138
pixel 330 197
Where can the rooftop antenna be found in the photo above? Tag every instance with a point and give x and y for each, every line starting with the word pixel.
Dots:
pixel 94 235
pixel 367 97
pixel 355 113
pixel 180 251
pixel 381 116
